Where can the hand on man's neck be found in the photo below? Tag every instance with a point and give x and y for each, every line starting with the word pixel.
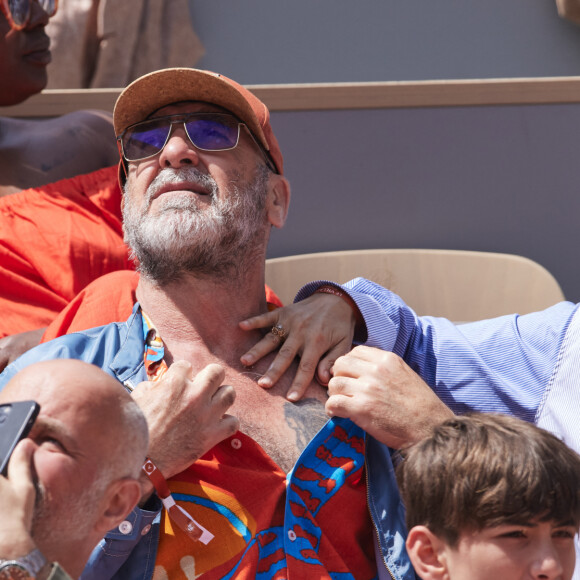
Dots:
pixel 204 313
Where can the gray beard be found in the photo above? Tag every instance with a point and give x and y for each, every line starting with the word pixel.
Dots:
pixel 213 241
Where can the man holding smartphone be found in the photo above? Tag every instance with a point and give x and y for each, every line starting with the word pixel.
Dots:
pixel 69 481
pixel 17 494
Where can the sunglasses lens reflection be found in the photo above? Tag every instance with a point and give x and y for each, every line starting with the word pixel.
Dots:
pixel 213 135
pixel 19 10
pixel 210 134
pixel 145 141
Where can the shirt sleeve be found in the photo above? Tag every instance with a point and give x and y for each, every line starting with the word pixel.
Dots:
pixel 502 364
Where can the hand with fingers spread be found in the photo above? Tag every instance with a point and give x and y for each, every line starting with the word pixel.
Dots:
pixel 186 415
pixel 17 496
pixel 319 329
pixel 383 395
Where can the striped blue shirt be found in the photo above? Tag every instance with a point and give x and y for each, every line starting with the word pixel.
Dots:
pixel 502 364
pixel 527 366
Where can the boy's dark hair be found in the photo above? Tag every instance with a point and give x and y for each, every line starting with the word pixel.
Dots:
pixel 482 470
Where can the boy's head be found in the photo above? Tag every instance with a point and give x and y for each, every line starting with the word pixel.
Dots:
pixel 488 491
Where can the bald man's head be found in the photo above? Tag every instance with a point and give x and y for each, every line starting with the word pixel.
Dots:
pixel 89 394
pixel 92 441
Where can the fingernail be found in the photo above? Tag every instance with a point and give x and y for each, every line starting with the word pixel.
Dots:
pixel 246 360
pixel 264 382
pixel 293 396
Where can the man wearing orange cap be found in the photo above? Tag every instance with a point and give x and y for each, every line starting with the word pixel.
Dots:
pixel 291 493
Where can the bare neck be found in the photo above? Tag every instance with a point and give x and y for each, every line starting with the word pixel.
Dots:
pixel 195 314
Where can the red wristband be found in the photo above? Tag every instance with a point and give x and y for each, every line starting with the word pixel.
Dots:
pixel 177 514
pixel 338 292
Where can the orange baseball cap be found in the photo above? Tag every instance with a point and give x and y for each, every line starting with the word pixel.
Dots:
pixel 174 85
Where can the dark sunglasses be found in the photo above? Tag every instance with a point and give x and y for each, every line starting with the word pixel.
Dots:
pixel 17 12
pixel 206 131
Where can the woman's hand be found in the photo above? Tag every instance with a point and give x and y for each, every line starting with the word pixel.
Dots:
pixel 319 329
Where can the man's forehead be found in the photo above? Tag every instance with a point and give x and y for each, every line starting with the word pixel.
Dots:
pixel 55 394
pixel 51 400
pixel 16 390
pixel 187 107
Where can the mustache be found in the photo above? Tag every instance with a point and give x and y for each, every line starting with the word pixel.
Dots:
pixel 170 176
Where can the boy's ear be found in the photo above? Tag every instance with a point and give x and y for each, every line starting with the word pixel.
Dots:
pixel 278 200
pixel 426 551
pixel 120 498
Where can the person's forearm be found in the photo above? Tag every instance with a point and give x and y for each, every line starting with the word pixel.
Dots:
pixel 383 313
pixel 502 364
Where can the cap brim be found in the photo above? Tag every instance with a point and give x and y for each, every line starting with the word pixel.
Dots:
pixel 165 87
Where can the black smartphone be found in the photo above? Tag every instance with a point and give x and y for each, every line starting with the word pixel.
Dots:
pixel 16 420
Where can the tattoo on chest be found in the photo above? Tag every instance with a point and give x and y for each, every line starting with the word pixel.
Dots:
pixel 305 418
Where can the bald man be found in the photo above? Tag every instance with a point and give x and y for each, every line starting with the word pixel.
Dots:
pixel 84 481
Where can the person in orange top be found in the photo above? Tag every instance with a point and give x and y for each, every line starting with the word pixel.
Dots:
pixel 54 241
pixel 42 247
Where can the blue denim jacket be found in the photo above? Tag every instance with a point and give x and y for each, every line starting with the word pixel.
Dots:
pixel 129 551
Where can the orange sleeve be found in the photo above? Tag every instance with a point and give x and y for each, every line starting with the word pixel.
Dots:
pixel 109 299
pixel 54 240
pixel 272 298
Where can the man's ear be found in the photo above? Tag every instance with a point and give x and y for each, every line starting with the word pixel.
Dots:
pixel 426 550
pixel 120 498
pixel 278 200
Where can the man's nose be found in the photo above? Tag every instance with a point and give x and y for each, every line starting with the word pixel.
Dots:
pixel 178 150
pixel 38 17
